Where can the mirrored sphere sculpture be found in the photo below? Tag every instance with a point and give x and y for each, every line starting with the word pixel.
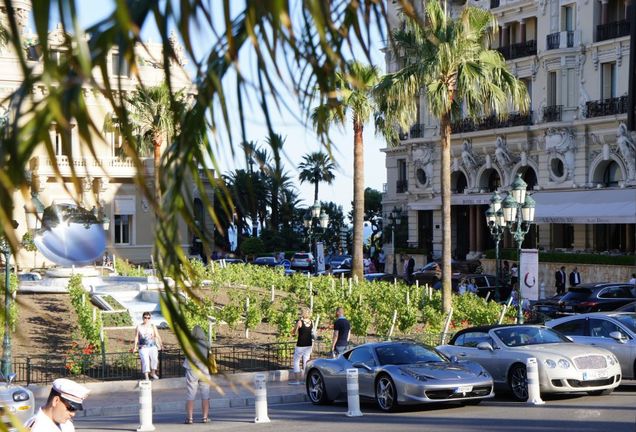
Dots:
pixel 70 235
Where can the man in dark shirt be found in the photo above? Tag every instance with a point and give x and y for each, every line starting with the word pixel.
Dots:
pixel 341 332
pixel 559 281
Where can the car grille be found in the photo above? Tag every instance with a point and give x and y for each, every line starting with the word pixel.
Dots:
pixel 593 383
pixel 591 362
pixel 444 394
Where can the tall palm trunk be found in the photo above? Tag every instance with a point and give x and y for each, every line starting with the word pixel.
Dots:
pixel 358 198
pixel 156 145
pixel 316 189
pixel 445 130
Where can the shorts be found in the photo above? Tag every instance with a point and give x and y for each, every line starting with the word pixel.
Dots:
pixel 195 382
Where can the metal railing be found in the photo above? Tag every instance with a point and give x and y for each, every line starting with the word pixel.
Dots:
pixel 604 107
pixel 494 4
pixel 552 113
pixel 492 122
pixel 553 40
pixel 612 30
pixel 401 186
pixel 417 131
pixel 126 365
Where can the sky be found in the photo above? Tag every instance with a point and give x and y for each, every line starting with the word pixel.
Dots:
pixel 299 140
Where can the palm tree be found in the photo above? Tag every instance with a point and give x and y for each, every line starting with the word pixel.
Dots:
pixel 155 114
pixel 354 95
pixel 315 168
pixel 449 59
pixel 277 176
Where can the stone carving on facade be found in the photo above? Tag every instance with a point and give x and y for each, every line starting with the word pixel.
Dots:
pixel 561 143
pixel 542 5
pixel 502 155
pixel 176 48
pixel 619 54
pixel 103 184
pixel 144 205
pixel 57 37
pixel 627 149
pixel 423 159
pixel 468 157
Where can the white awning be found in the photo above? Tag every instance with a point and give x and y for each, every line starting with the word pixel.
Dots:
pixel 602 206
pixel 125 206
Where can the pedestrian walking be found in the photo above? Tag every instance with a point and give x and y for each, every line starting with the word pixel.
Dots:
pixel 409 268
pixel 381 261
pixel 65 399
pixel 633 279
pixel 341 333
pixel 575 277
pixel 148 341
pixel 198 377
pixel 304 343
pixel 505 272
pixel 559 281
pixel 514 274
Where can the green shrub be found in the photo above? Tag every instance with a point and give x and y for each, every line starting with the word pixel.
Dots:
pixel 117 319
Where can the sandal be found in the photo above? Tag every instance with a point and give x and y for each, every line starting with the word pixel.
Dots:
pixel 205 420
pixel 188 420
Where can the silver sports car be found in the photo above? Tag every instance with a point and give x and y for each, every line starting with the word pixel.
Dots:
pixel 393 373
pixel 564 366
pixel 16 401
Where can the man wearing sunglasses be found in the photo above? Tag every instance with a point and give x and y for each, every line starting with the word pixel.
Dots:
pixel 65 399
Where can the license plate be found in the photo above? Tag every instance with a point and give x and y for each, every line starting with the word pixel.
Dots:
pixel 464 389
pixel 594 374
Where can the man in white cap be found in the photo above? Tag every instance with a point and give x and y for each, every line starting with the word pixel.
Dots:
pixel 65 399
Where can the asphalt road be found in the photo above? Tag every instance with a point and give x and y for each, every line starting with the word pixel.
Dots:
pixel 613 413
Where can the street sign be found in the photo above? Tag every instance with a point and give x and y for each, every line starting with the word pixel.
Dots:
pixel 286 263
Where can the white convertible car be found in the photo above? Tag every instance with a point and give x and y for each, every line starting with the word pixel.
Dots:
pixel 564 366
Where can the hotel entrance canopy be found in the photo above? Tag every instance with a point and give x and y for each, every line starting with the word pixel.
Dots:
pixel 600 206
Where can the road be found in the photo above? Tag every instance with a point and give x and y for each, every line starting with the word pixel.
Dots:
pixel 615 413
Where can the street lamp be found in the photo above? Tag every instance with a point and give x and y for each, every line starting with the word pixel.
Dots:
pixel 5 248
pixel 496 225
pixel 395 217
pixel 315 217
pixel 518 216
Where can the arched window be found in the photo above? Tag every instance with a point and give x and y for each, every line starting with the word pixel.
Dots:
pixel 611 175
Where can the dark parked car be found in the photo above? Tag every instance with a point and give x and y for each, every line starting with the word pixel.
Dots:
pixel 629 307
pixel 591 297
pixel 432 271
pixel 336 260
pixel 265 261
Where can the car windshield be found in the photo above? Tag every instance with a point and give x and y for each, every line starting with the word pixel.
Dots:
pixel 628 320
pixel 522 336
pixel 406 353
pixel 301 256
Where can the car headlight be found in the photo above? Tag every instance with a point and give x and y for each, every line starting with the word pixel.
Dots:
pixel 563 363
pixel 612 360
pixel 484 373
pixel 550 363
pixel 412 374
pixel 20 396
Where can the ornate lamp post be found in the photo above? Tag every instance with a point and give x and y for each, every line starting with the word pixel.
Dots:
pixel 395 217
pixel 518 214
pixel 5 248
pixel 315 217
pixel 496 224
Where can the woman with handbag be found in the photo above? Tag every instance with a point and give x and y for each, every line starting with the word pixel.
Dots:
pixel 148 341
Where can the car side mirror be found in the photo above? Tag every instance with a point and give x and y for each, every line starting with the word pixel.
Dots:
pixel 454 359
pixel 618 336
pixel 361 365
pixel 485 346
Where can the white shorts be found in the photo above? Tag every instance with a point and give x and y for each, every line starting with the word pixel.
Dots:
pixel 301 352
pixel 195 382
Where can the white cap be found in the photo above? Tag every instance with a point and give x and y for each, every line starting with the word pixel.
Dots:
pixel 71 392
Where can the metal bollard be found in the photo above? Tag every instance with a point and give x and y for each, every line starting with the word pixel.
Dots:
pixel 534 391
pixel 145 408
pixel 353 394
pixel 260 393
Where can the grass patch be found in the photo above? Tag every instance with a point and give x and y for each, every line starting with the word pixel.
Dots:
pixel 117 319
pixel 113 303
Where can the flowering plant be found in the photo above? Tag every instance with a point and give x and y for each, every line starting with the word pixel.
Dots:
pixel 78 358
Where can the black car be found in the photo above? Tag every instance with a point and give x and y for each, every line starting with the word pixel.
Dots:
pixel 591 297
pixel 269 261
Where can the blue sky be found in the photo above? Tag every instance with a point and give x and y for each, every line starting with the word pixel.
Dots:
pixel 300 140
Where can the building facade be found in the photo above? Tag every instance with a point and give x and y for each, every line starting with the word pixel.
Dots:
pixel 106 181
pixel 572 148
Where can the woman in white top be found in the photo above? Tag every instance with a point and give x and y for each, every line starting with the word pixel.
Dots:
pixel 148 341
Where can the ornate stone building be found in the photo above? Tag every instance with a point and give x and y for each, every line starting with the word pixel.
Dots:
pixel 106 180
pixel 572 148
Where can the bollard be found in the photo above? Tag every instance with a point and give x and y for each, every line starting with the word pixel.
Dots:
pixel 260 393
pixel 353 394
pixel 534 391
pixel 145 406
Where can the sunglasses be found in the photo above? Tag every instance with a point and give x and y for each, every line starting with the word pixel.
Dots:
pixel 68 406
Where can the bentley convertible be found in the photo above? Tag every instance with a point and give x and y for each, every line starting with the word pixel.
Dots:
pixel 393 373
pixel 564 366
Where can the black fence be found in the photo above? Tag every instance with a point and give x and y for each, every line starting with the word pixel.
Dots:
pixel 126 366
pixel 612 30
pixel 611 106
pixel 491 122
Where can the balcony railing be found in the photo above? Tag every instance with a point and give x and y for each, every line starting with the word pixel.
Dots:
pixel 612 30
pixel 611 106
pixel 494 4
pixel 417 131
pixel 522 49
pixel 492 122
pixel 552 113
pixel 553 40
pixel 401 186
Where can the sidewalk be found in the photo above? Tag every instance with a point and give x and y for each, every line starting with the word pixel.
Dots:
pixel 168 395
